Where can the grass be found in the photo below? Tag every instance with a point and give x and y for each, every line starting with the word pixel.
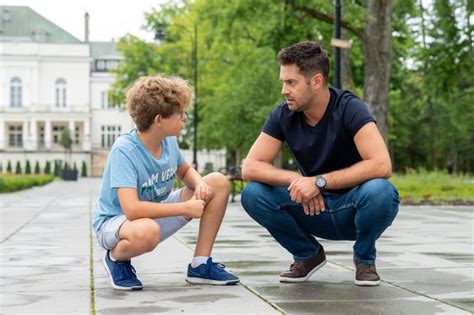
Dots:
pixel 423 187
pixel 12 183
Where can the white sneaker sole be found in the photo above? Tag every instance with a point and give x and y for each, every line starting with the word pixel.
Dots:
pixel 366 283
pixel 194 280
pixel 296 280
pixel 117 287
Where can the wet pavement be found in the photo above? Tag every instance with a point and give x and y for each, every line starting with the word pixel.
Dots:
pixel 50 263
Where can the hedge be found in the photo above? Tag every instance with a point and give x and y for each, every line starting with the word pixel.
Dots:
pixel 11 183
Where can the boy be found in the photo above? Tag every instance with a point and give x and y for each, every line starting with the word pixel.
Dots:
pixel 137 208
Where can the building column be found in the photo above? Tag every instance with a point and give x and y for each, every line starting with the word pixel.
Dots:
pixel 33 145
pixel 25 134
pixel 72 129
pixel 86 141
pixel 3 132
pixel 47 134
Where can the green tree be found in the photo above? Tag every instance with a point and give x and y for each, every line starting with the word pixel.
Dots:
pixel 18 169
pixel 28 167
pixel 47 168
pixel 57 167
pixel 84 169
pixel 66 142
pixel 9 167
pixel 37 168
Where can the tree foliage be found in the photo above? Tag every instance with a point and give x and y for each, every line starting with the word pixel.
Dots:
pixel 431 77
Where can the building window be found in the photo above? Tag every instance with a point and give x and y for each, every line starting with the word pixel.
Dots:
pixel 100 65
pixel 104 99
pixel 41 136
pixel 15 136
pixel 56 134
pixel 109 134
pixel 60 89
pixel 76 136
pixel 15 93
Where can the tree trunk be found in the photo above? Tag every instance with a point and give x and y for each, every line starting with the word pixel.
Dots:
pixel 377 46
pixel 346 71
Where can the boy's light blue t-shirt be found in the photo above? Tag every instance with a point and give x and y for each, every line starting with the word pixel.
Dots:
pixel 130 165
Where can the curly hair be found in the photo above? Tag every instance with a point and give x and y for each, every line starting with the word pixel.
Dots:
pixel 308 56
pixel 157 95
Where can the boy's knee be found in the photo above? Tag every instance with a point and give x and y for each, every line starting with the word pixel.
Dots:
pixel 218 181
pixel 148 235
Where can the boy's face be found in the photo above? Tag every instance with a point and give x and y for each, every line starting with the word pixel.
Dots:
pixel 173 125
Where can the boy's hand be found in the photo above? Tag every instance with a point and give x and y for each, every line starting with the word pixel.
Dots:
pixel 194 208
pixel 203 191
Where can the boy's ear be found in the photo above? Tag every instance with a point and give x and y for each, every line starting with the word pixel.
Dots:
pixel 157 119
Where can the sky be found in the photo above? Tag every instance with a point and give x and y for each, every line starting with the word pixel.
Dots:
pixel 108 19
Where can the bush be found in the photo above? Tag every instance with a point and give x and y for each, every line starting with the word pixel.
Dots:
pixel 84 169
pixel 28 167
pixel 11 183
pixel 57 168
pixel 47 168
pixel 9 167
pixel 18 169
pixel 37 168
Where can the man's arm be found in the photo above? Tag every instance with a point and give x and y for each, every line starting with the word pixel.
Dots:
pixel 258 163
pixel 375 162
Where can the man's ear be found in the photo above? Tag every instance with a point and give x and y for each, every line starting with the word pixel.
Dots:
pixel 317 81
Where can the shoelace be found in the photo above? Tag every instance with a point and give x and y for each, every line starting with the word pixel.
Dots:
pixel 364 269
pixel 127 269
pixel 219 265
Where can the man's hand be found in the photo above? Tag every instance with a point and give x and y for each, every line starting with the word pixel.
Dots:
pixel 303 190
pixel 315 206
pixel 203 191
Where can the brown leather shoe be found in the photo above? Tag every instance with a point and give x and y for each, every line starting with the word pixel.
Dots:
pixel 301 271
pixel 366 275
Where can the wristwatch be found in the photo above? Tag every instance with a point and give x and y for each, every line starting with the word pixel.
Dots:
pixel 320 182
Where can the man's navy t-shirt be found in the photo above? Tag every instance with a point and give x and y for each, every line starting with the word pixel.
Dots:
pixel 329 145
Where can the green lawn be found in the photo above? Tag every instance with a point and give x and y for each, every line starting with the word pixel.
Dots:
pixel 424 187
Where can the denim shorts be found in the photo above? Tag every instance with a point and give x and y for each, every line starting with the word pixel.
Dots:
pixel 108 234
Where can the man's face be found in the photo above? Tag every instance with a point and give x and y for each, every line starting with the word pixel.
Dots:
pixel 296 88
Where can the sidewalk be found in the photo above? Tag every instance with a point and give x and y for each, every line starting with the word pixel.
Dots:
pixel 50 263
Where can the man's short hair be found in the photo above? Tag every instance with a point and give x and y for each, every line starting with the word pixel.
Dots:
pixel 157 95
pixel 308 56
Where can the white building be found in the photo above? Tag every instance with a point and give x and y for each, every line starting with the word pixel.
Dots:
pixel 50 80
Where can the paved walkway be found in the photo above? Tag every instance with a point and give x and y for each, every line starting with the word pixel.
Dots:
pixel 50 263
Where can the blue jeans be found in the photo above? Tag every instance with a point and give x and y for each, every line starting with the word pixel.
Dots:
pixel 362 214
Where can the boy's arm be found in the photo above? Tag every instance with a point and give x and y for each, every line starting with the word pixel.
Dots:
pixel 193 180
pixel 134 208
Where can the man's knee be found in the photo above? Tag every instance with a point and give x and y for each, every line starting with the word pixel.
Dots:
pixel 250 194
pixel 381 194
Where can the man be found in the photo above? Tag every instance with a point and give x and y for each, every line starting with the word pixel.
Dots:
pixel 342 192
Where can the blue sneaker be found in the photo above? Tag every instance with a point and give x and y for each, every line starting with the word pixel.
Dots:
pixel 122 274
pixel 210 273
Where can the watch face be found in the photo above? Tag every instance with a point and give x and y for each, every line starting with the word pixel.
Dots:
pixel 320 182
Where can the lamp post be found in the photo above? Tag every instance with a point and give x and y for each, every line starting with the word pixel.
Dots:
pixel 160 35
pixel 337 35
